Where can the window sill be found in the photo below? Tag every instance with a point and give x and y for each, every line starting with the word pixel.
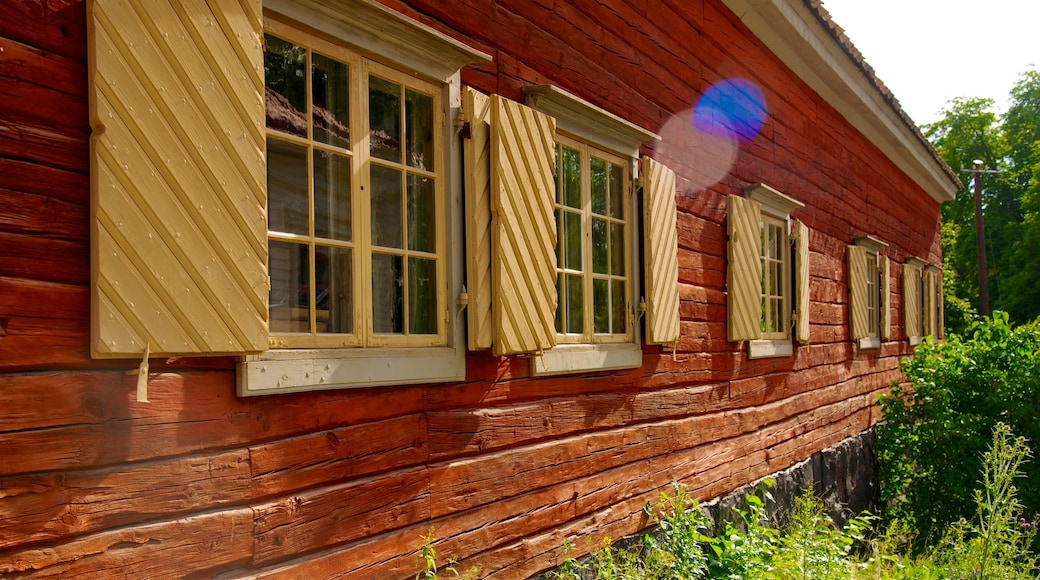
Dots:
pixel 769 348
pixel 915 340
pixel 581 358
pixel 869 343
pixel 289 371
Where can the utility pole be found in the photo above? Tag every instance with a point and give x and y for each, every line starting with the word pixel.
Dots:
pixel 980 236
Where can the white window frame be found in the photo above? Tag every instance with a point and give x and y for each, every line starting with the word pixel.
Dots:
pixel 410 48
pixel 585 122
pixel 777 207
pixel 873 246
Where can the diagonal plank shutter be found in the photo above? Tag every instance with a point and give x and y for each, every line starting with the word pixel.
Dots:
pixel 884 304
pixel 523 234
pixel 477 153
pixel 801 261
pixel 912 300
pixel 744 272
pixel 662 262
pixel 178 177
pixel 858 313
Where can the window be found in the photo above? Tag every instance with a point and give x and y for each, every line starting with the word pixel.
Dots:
pixel 767 274
pixel 868 292
pixel 355 199
pixel 593 224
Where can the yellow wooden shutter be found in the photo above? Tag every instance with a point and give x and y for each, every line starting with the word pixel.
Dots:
pixel 928 303
pixel 477 153
pixel 661 247
pixel 858 313
pixel 801 261
pixel 179 246
pixel 884 303
pixel 912 300
pixel 744 271
pixel 523 235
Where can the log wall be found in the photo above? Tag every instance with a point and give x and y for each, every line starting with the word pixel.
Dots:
pixel 504 466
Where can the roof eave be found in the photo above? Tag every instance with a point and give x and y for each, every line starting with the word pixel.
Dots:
pixel 801 34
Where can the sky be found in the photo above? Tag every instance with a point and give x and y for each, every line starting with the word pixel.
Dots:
pixel 930 51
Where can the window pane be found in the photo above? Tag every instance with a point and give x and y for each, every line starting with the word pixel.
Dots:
pixel 285 86
pixel 599 246
pixel 598 173
pixel 387 294
pixel 332 211
pixel 422 214
pixel 386 208
pixel 617 249
pixel 286 187
pixel 617 192
pixel 601 306
pixel 330 92
pixel 419 129
pixel 384 119
pixel 422 294
pixel 287 265
pixel 561 302
pixel 575 304
pixel 334 290
pixel 617 298
pixel 570 169
pixel 571 239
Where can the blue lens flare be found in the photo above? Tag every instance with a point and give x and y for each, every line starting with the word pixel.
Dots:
pixel 733 108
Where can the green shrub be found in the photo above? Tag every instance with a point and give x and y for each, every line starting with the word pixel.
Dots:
pixel 937 426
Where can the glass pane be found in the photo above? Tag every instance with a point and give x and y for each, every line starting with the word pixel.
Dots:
pixel 561 302
pixel 575 304
pixel 617 299
pixel 600 306
pixel 617 249
pixel 570 168
pixel 387 293
pixel 422 214
pixel 418 109
pixel 330 94
pixel 332 212
pixel 285 85
pixel 286 187
pixel 386 208
pixel 384 119
pixel 287 265
pixel 334 290
pixel 599 246
pixel 617 192
pixel 572 240
pixel 598 170
pixel 422 296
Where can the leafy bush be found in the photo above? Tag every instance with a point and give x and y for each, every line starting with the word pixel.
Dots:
pixel 937 426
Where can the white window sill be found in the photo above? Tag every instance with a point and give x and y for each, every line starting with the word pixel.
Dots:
pixel 915 340
pixel 769 348
pixel 287 371
pixel 870 342
pixel 582 358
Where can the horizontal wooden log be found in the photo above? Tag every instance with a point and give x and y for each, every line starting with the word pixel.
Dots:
pixel 321 518
pixel 202 544
pixel 48 300
pixel 389 555
pixel 39 258
pixel 49 507
pixel 54 26
pixel 28 177
pixel 42 344
pixel 45 145
pixel 339 454
pixel 26 213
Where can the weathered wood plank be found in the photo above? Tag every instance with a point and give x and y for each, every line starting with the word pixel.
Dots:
pixel 49 507
pixel 202 544
pixel 348 452
pixel 321 518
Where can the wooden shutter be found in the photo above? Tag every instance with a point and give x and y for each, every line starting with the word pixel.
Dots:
pixel 744 271
pixel 178 177
pixel 801 281
pixel 661 247
pixel 940 306
pixel 858 323
pixel 477 153
pixel 912 300
pixel 884 304
pixel 523 235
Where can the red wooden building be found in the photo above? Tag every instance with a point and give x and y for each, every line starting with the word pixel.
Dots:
pixel 584 249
